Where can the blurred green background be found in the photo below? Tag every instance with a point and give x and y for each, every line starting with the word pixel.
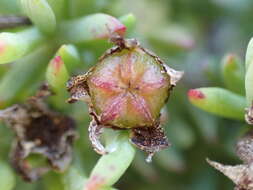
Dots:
pixel 189 35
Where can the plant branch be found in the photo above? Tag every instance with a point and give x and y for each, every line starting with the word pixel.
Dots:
pixel 13 21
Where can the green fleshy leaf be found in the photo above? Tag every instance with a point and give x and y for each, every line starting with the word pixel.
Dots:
pixel 57 74
pixel 15 45
pixel 233 73
pixel 249 54
pixel 7 177
pixel 249 85
pixel 218 101
pixel 172 38
pixel 88 28
pixel 59 8
pixel 129 21
pixel 111 167
pixel 23 73
pixel 70 56
pixel 73 179
pixel 41 14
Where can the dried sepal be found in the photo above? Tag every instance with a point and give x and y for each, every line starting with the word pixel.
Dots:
pixel 42 131
pixel 175 76
pixel 149 139
pixel 78 89
pixel 95 130
pixel 249 115
pixel 241 175
pixel 244 148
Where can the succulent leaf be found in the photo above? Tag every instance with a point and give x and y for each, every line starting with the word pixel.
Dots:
pixel 110 167
pixel 249 54
pixel 41 14
pixel 88 28
pixel 7 177
pixel 70 56
pixel 218 101
pixel 15 45
pixel 25 71
pixel 248 84
pixel 57 74
pixel 233 73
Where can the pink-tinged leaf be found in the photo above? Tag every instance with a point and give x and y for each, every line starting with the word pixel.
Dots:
pixel 219 101
pixel 113 108
pixel 95 183
pixel 57 74
pixel 141 106
pixel 91 27
pixel 110 167
pixel 111 25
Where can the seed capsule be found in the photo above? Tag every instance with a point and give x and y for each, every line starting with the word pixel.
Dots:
pixel 126 90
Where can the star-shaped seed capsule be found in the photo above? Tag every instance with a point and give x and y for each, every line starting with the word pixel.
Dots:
pixel 126 90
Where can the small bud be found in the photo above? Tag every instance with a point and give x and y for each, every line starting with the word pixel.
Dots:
pixel 218 101
pixel 41 14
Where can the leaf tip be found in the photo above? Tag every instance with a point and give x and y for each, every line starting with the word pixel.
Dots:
pixel 57 63
pixel 195 94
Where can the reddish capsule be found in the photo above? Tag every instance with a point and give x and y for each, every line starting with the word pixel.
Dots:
pixel 126 90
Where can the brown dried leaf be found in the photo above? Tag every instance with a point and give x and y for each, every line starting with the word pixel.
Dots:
pixel 39 131
pixel 241 175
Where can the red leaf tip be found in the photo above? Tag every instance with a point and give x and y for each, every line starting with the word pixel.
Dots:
pixel 195 94
pixel 57 63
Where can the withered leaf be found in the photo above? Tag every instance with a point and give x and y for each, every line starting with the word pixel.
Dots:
pixel 42 131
